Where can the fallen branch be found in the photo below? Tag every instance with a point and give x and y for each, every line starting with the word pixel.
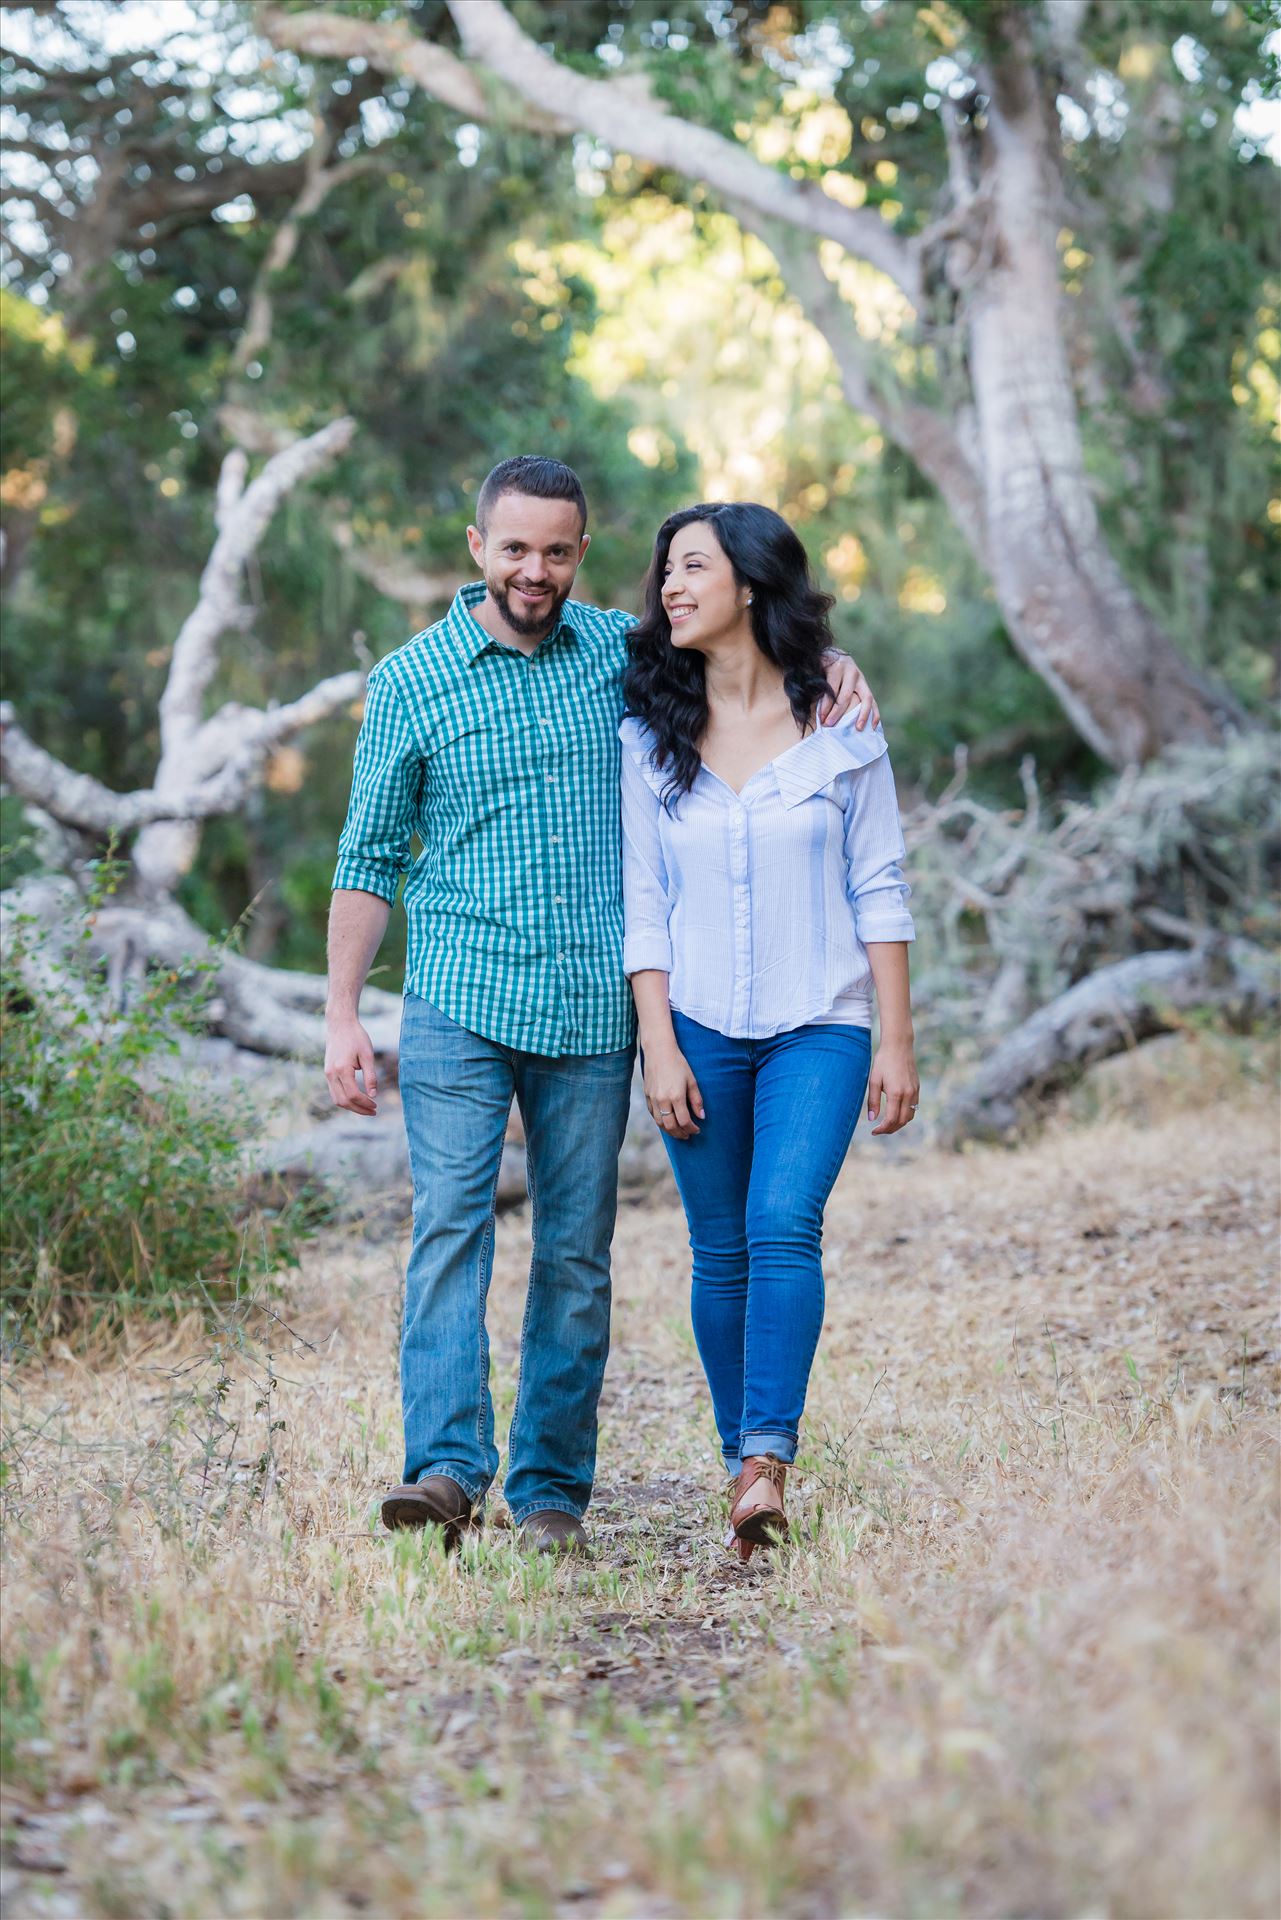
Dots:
pixel 245 1005
pixel 1111 1011
pixel 1020 902
pixel 258 1008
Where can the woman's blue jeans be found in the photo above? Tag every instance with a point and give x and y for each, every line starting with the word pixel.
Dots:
pixel 780 1115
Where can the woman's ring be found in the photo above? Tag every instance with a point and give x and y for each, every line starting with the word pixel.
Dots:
pixel 663 1112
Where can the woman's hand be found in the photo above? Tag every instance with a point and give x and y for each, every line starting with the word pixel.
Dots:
pixel 671 1092
pixel 893 1075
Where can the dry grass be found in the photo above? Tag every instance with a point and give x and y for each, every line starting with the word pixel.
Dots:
pixel 1023 1660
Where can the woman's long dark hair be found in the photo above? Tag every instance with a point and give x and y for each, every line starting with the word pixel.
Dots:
pixel 666 685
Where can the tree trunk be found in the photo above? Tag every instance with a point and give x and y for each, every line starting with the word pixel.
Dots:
pixel 1122 682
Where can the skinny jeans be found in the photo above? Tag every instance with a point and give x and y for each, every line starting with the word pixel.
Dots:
pixel 754 1180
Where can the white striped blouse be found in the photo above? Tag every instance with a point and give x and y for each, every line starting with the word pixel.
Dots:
pixel 759 905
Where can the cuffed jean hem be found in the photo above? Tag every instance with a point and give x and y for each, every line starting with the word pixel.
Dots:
pixel 781 1445
pixel 474 1489
pixel 547 1506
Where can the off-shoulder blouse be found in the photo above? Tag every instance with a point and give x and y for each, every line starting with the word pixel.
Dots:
pixel 759 905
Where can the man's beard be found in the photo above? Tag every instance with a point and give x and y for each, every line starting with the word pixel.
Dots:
pixel 526 625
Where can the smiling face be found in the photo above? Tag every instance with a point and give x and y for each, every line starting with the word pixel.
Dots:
pixel 703 601
pixel 529 553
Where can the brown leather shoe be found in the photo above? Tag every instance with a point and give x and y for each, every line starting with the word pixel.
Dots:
pixel 435 1501
pixel 741 1549
pixel 756 1512
pixel 553 1532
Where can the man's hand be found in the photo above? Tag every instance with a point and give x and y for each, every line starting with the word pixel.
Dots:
pixel 849 689
pixel 349 1051
pixel 357 923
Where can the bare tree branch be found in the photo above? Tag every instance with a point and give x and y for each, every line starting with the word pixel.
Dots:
pixel 320 183
pixel 392 47
pixel 244 518
pixel 227 756
pixel 1065 21
pixel 237 740
pixel 959 173
pixel 165 850
pixel 621 118
pixel 395 576
pixel 78 800
pixel 553 98
pixel 74 799
pixel 868 382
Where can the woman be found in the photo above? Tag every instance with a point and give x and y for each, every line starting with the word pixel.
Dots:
pixel 764 903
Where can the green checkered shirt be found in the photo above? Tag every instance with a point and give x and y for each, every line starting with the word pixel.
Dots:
pixel 506 768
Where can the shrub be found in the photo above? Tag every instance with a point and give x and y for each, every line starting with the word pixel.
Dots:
pixel 123 1189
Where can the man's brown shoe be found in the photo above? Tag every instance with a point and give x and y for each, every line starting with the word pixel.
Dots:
pixel 553 1532
pixel 436 1501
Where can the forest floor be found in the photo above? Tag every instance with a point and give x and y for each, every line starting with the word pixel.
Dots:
pixel 1021 1660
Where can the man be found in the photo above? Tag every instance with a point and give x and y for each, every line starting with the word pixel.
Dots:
pixel 493 736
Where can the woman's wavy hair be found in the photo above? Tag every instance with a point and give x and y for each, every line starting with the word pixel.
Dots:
pixel 666 686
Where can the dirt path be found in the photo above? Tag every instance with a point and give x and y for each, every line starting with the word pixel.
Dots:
pixel 1021 1660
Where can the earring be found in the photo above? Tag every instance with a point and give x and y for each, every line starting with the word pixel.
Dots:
pixel 750 598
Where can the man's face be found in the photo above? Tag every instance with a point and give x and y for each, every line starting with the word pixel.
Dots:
pixel 529 554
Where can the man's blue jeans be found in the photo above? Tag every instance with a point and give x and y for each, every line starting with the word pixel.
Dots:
pixel 456 1090
pixel 754 1181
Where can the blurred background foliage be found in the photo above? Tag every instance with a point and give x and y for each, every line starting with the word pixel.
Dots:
pixel 471 292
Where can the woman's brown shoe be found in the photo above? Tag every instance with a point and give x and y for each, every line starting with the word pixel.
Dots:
pixel 756 1514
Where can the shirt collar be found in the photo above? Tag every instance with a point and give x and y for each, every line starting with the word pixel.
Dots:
pixel 816 760
pixel 471 639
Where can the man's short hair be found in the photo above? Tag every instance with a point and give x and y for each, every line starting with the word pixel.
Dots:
pixel 533 474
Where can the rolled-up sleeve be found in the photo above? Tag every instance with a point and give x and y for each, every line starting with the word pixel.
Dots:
pixel 874 850
pixel 373 851
pixel 646 943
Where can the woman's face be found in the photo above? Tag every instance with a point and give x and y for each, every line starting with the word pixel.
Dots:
pixel 701 598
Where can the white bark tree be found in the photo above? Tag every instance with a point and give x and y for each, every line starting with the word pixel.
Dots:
pixel 1009 463
pixel 208 766
pixel 194 749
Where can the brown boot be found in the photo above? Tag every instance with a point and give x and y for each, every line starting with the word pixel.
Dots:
pixel 550 1531
pixel 435 1501
pixel 756 1512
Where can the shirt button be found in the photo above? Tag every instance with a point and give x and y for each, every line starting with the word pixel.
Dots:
pixel 555 839
pixel 559 900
